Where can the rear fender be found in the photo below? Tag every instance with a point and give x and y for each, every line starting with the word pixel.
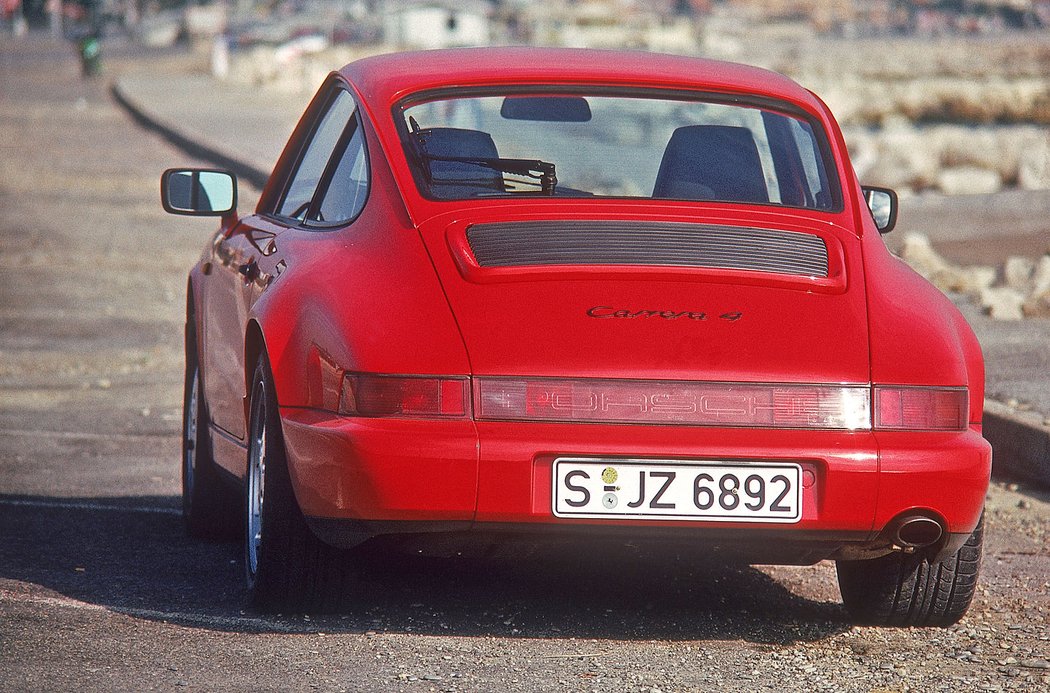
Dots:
pixel 365 297
pixel 918 337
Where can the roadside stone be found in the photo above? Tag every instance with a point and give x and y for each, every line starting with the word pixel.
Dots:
pixel 1033 169
pixel 1037 306
pixel 918 252
pixel 969 180
pixel 1034 664
pixel 1017 273
pixel 1041 276
pixel 1002 303
pixel 900 161
pixel 991 149
pixel 1038 303
pixel 968 280
pixel 956 159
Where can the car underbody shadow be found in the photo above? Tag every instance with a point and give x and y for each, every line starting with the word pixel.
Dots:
pixel 574 591
pixel 132 556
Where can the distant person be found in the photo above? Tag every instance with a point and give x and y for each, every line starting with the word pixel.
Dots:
pixel 86 33
pixel 89 47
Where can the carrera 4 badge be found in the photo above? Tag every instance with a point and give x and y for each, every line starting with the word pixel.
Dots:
pixel 610 312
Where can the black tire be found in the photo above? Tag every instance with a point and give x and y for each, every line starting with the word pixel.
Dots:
pixel 209 506
pixel 907 590
pixel 286 566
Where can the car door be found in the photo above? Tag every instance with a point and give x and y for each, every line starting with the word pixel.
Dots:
pixel 326 189
pixel 242 263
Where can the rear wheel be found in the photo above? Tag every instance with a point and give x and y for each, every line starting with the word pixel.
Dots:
pixel 286 566
pixel 907 590
pixel 209 507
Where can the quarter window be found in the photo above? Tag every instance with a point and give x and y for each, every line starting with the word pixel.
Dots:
pixel 347 187
pixel 330 184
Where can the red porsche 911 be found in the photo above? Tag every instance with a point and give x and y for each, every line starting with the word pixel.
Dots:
pixel 503 294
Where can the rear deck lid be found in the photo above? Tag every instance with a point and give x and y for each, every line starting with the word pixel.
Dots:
pixel 742 297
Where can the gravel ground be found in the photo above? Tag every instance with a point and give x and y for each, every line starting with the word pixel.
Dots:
pixel 101 590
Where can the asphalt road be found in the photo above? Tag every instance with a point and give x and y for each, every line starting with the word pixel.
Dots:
pixel 100 589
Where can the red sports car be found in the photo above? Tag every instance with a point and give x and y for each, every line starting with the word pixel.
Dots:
pixel 500 294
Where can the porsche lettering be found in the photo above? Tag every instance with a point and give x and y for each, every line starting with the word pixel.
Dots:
pixel 728 405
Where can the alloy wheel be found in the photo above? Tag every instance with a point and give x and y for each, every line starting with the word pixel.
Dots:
pixel 189 446
pixel 255 482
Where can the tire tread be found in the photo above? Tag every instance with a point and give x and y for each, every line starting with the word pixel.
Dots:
pixel 296 570
pixel 907 590
pixel 210 508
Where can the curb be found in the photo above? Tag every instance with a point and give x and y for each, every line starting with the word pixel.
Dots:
pixel 189 145
pixel 1020 443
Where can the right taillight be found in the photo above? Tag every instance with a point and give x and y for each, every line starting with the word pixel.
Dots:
pixel 921 408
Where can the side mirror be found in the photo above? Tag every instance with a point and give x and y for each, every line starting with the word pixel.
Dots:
pixel 198 192
pixel 882 202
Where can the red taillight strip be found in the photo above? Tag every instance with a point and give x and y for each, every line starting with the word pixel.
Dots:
pixel 841 407
pixel 657 402
pixel 906 408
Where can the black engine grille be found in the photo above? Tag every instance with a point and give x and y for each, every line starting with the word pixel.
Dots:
pixel 522 244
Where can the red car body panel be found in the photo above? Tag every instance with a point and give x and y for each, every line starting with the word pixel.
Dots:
pixel 225 308
pixel 535 321
pixel 398 292
pixel 854 482
pixel 923 340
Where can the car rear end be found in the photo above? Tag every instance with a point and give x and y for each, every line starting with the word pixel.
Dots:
pixel 656 352
pixel 694 327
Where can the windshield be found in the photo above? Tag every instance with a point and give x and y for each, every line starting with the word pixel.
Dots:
pixel 615 146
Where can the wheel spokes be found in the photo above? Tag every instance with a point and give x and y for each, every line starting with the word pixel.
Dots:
pixel 256 482
pixel 189 455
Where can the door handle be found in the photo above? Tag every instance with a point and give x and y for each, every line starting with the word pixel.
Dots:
pixel 249 270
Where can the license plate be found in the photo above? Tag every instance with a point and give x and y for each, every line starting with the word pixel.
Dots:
pixel 666 490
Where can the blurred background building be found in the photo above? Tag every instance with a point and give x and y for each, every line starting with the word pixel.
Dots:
pixel 571 22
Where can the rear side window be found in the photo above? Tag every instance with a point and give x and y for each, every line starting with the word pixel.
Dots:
pixel 330 183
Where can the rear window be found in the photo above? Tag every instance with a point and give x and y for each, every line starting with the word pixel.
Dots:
pixel 564 144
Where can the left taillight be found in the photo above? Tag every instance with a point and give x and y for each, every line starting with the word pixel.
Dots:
pixel 373 395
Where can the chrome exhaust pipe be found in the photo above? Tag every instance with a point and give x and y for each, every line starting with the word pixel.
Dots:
pixel 916 532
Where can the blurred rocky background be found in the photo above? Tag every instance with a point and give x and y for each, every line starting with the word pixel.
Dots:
pixel 936 97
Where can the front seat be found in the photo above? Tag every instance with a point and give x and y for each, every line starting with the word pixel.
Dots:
pixel 711 162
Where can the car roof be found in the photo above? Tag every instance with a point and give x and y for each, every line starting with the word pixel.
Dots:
pixel 384 79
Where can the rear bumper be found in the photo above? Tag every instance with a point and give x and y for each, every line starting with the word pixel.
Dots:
pixel 357 478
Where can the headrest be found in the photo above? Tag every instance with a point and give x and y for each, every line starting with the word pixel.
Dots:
pixel 712 162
